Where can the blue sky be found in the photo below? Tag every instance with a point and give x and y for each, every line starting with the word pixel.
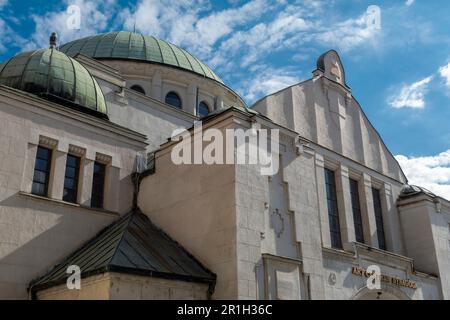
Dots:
pixel 399 72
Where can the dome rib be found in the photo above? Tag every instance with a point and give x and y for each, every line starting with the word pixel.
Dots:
pixel 74 79
pixel 21 85
pixel 48 72
pixel 135 46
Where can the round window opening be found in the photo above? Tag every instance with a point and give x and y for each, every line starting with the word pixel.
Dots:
pixel 137 88
pixel 173 99
pixel 203 109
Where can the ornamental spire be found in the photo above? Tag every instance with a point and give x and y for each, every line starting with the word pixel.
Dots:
pixel 53 40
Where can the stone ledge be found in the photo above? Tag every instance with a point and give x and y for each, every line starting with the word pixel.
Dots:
pixel 69 204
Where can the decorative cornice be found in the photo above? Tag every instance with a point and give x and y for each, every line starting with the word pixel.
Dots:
pixel 35 104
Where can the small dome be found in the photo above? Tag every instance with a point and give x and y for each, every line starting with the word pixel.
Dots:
pixel 134 46
pixel 53 75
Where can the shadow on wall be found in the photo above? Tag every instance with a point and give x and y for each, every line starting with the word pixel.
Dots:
pixel 36 234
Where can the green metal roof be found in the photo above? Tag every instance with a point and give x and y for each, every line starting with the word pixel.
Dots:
pixel 135 46
pixel 133 245
pixel 53 75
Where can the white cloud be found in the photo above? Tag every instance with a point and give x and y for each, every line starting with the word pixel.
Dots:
pixel 351 32
pixel 94 18
pixel 268 80
pixel 445 73
pixel 182 22
pixel 9 38
pixel 411 96
pixel 260 40
pixel 431 172
pixel 409 2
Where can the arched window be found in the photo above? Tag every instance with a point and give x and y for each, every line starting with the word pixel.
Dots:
pixel 137 88
pixel 173 99
pixel 203 109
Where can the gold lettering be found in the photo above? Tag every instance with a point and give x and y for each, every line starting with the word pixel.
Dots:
pixel 385 278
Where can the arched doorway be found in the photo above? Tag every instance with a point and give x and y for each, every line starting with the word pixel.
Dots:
pixel 385 293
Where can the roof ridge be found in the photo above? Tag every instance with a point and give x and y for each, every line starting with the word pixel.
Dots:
pixel 138 211
pixel 128 216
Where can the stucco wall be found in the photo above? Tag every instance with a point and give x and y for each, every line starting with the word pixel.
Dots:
pixel 195 204
pixel 36 233
pixel 324 111
pixel 426 228
pixel 158 80
pixel 115 286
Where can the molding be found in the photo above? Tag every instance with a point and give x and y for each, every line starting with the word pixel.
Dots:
pixel 78 151
pixel 269 256
pixel 48 142
pixel 101 70
pixel 160 106
pixel 103 158
pixel 69 204
pixel 175 83
pixel 31 103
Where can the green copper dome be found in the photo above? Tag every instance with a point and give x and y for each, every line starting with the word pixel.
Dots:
pixel 55 76
pixel 134 46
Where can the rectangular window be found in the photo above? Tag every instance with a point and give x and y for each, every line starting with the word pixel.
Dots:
pixel 356 208
pixel 98 185
pixel 333 213
pixel 71 179
pixel 42 172
pixel 379 218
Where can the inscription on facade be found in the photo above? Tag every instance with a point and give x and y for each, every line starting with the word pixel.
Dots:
pixel 385 278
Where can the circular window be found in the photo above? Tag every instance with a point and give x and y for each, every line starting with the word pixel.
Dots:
pixel 137 88
pixel 173 99
pixel 203 109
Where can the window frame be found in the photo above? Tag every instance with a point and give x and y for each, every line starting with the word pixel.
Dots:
pixel 98 195
pixel 47 171
pixel 333 209
pixel 356 210
pixel 138 88
pixel 378 212
pixel 180 107
pixel 205 104
pixel 76 178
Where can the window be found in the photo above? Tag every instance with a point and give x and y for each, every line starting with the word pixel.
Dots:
pixel 71 179
pixel 173 99
pixel 356 208
pixel 98 185
pixel 203 109
pixel 41 172
pixel 333 213
pixel 137 88
pixel 379 218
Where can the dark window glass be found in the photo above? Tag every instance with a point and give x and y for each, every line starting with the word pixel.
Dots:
pixel 71 179
pixel 41 172
pixel 98 185
pixel 379 218
pixel 203 109
pixel 333 212
pixel 173 99
pixel 138 88
pixel 356 208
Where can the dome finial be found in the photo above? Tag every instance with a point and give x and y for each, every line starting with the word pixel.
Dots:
pixel 53 40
